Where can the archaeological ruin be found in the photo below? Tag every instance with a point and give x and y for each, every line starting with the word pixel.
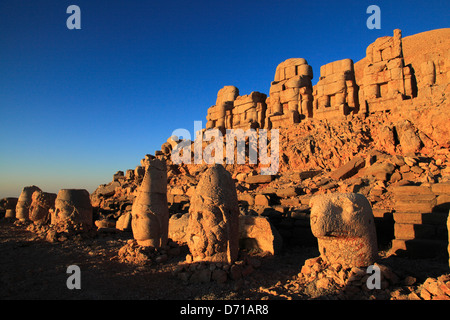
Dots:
pixel 364 175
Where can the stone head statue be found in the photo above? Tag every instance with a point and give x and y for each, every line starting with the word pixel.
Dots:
pixel 74 205
pixel 23 205
pixel 40 207
pixel 344 226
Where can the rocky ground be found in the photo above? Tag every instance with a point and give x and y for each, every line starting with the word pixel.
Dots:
pixel 33 267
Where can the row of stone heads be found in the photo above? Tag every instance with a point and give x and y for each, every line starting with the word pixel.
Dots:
pixel 342 222
pixel 36 205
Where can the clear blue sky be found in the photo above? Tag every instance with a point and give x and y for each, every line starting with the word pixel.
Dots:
pixel 78 105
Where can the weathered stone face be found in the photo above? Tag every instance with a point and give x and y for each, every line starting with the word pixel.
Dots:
pixel 213 229
pixel 150 211
pixel 74 205
pixel 41 205
pixel 219 114
pixel 344 226
pixel 24 202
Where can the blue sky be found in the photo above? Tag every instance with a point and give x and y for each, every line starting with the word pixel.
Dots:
pixel 78 105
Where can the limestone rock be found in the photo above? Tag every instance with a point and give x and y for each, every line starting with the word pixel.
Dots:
pixel 213 230
pixel 150 211
pixel 344 226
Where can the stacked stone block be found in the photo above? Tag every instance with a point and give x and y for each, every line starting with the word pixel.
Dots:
pixel 335 95
pixel 386 79
pixel 290 97
pixel 420 219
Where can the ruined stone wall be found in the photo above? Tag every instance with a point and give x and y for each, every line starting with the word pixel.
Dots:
pixel 386 80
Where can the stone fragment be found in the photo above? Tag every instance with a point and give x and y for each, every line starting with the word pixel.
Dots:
pixel 124 222
pixel 150 211
pixel 24 202
pixel 258 179
pixel 213 229
pixel 344 226
pixel 178 227
pixel 409 140
pixel 349 169
pixel 261 232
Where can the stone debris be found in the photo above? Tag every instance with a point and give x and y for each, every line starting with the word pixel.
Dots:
pixel 134 253
pixel 204 272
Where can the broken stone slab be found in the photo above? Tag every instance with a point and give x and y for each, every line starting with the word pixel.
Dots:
pixel 349 169
pixel 303 175
pixel 259 179
pixel 255 232
pixel 124 222
pixel 288 192
pixel 379 170
pixel 441 188
pixel 107 190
